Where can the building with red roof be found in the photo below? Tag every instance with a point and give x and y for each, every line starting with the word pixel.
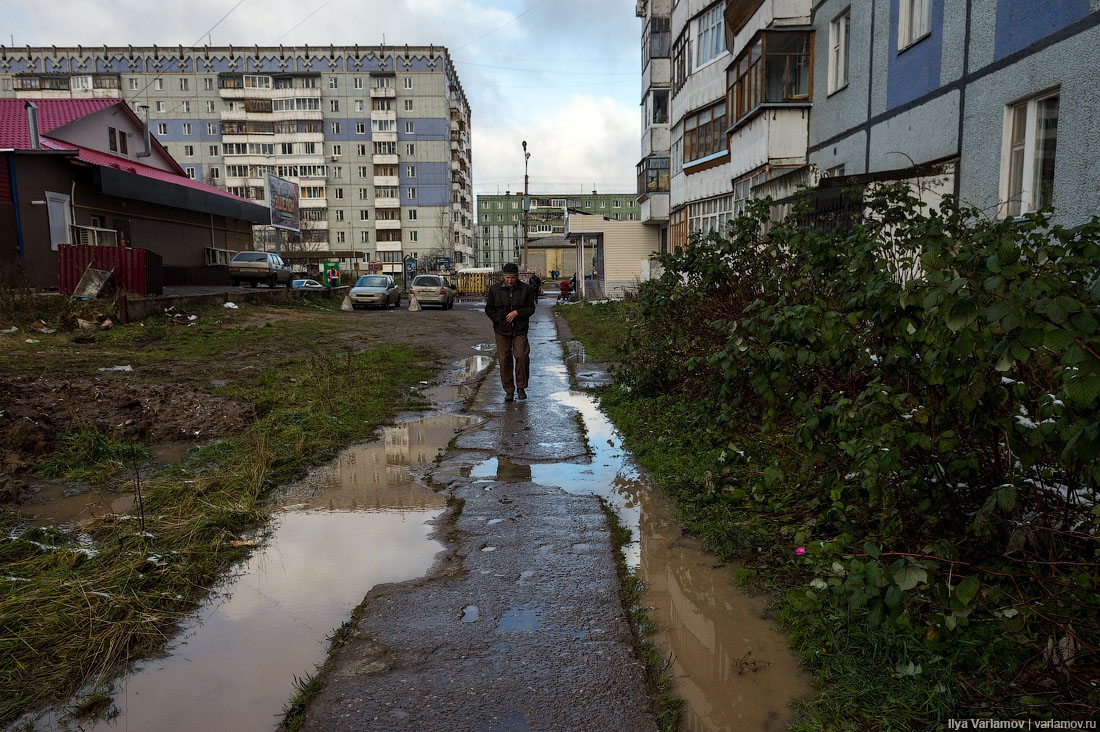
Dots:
pixel 85 171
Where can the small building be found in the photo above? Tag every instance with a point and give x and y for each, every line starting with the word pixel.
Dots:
pixel 615 255
pixel 84 171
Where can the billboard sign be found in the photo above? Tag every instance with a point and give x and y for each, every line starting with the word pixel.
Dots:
pixel 282 197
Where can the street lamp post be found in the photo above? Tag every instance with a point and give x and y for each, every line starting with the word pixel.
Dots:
pixel 526 204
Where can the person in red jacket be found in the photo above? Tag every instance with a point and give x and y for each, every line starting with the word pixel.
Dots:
pixel 510 305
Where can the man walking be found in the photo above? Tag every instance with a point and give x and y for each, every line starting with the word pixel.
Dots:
pixel 510 305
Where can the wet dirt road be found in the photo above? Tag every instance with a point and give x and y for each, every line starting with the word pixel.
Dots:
pixel 519 626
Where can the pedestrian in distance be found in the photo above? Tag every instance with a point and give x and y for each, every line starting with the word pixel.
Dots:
pixel 510 305
pixel 536 284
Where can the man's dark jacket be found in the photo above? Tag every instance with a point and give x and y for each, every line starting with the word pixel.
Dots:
pixel 502 300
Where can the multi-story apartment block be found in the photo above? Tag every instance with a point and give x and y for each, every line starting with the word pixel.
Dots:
pixel 737 82
pixel 500 219
pixel 377 138
pixel 766 96
pixel 995 104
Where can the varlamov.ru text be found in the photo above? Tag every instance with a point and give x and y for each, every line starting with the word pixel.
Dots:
pixel 968 724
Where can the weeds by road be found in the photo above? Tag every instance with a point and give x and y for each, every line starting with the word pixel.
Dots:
pixel 77 605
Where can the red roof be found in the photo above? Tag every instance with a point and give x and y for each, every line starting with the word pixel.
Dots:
pixel 52 113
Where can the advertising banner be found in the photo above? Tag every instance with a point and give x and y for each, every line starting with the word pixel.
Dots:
pixel 282 197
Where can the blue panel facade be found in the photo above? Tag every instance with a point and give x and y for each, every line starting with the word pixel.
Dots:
pixel 432 128
pixel 915 71
pixel 1021 23
pixel 426 195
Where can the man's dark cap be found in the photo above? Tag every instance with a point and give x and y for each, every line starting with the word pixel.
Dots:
pixel 511 268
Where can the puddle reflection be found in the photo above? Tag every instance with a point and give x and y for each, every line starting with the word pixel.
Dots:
pixel 359 522
pixel 734 670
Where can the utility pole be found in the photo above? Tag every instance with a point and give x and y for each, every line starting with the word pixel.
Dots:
pixel 526 204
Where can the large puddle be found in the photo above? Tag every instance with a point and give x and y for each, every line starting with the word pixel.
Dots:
pixel 359 522
pixel 732 668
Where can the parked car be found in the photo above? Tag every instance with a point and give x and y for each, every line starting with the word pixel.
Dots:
pixel 378 290
pixel 257 267
pixel 307 285
pixel 433 290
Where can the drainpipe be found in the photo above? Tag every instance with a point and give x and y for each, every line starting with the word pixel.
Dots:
pixel 14 181
pixel 145 135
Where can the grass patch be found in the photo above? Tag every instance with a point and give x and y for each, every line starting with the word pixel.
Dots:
pixel 75 608
pixel 603 326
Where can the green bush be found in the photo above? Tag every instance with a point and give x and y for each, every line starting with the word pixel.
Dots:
pixel 914 399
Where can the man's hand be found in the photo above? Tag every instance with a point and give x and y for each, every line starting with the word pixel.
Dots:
pixel 511 316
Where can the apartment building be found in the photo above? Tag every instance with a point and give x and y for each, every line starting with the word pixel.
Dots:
pixel 500 219
pixel 769 96
pixel 377 138
pixel 997 107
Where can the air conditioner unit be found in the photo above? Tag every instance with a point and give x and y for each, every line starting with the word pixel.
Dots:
pixel 334 158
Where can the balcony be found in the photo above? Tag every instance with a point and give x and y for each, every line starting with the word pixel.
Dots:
pixel 387 224
pixel 386 92
pixel 387 180
pixel 385 159
pixel 387 203
pixel 383 114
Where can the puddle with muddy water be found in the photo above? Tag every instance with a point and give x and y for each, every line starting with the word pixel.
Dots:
pixel 358 522
pixel 733 669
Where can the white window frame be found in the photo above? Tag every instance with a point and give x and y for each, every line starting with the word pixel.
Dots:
pixel 710 35
pixel 914 21
pixel 840 31
pixel 1022 156
pixel 409 127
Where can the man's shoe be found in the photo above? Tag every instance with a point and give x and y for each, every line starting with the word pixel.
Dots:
pixel 508 396
pixel 522 394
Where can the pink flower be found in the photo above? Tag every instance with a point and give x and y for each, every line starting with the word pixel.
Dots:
pixel 800 551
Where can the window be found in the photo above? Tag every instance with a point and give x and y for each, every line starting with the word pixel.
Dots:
pixel 410 171
pixel 742 190
pixel 408 105
pixel 413 236
pixel 408 128
pixel 339 214
pixel 364 237
pixel 360 128
pixel 123 146
pixel 410 148
pixel 337 171
pixel 160 106
pixel 358 83
pixel 158 84
pixel 652 176
pixel 135 84
pixel 336 128
pixel 382 105
pixel 774 69
pixel 360 106
pixel 914 21
pixel 1031 134
pixel 385 148
pixel 408 82
pixel 655 40
pixel 364 214
pixel 412 214
pixel 838 51
pixel 215 174
pixel 185 84
pixel 162 128
pixel 185 106
pixel 209 106
pixel 339 237
pixel 705 132
pixel 383 125
pixel 410 193
pixel 188 151
pixel 334 105
pixel 208 83
pixel 338 194
pixel 211 128
pixel 112 139
pixel 656 108
pixel 364 194
pixel 333 83
pixel 337 149
pixel 187 128
pixel 616 204
pixel 710 38
pixel 190 173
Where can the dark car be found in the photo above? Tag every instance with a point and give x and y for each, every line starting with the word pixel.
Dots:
pixel 434 290
pixel 375 290
pixel 257 267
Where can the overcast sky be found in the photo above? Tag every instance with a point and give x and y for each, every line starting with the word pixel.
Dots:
pixel 564 75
